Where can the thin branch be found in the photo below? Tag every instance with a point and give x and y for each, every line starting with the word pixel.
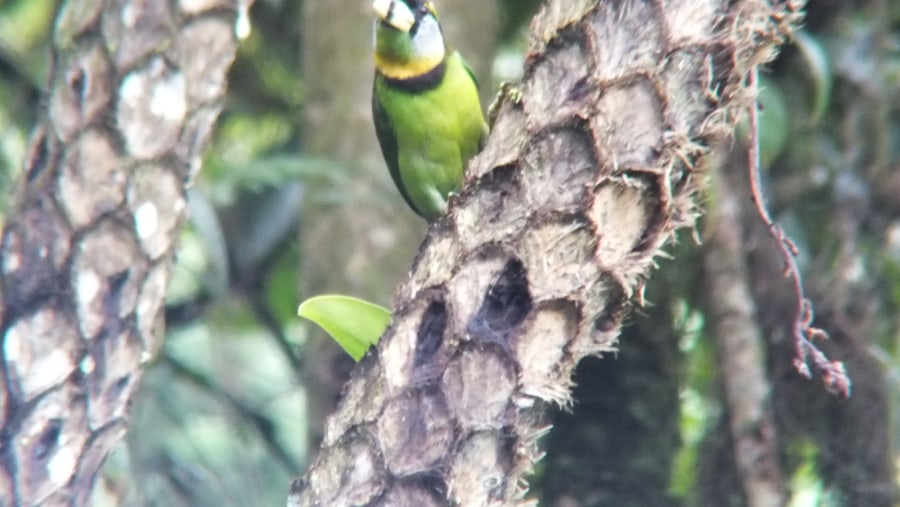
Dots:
pixel 834 375
pixel 269 321
pixel 259 421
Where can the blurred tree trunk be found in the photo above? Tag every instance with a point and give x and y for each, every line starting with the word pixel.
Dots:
pixel 363 243
pixel 585 177
pixel 731 312
pixel 87 247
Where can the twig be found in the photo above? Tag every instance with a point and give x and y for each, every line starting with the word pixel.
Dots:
pixel 268 320
pixel 834 375
pixel 263 425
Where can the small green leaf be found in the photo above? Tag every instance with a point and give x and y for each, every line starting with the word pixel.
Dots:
pixel 819 70
pixel 354 323
pixel 774 121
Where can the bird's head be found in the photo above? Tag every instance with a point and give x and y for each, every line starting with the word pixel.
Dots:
pixel 404 15
pixel 407 32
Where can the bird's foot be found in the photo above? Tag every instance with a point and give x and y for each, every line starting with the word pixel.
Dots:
pixel 508 92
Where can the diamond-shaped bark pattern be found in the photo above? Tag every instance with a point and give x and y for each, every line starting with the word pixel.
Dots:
pixel 150 193
pixel 480 271
pixel 352 472
pixel 365 397
pixel 86 253
pixel 430 266
pixel 585 176
pixel 46 454
pixel 415 349
pixel 479 472
pixel 151 108
pixel 504 146
pixel 417 419
pixel 204 71
pixel 80 92
pixel 556 167
pixel 619 203
pixel 92 181
pixel 628 126
pixel 558 257
pixel 541 350
pixel 41 350
pixel 133 30
pixel 626 38
pixel 74 19
pixel 494 212
pixel 559 88
pixel 35 248
pixel 474 407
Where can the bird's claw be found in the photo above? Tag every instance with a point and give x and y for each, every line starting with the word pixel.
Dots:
pixel 508 92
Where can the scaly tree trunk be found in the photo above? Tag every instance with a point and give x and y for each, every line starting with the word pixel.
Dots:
pixel 87 249
pixel 584 178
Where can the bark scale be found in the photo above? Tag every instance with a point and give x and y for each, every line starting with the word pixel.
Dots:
pixel 585 177
pixel 87 249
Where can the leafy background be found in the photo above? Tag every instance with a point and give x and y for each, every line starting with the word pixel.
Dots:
pixel 221 417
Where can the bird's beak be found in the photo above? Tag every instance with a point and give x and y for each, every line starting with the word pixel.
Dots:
pixel 395 13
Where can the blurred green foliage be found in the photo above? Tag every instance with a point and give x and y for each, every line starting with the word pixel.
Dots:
pixel 24 58
pixel 220 417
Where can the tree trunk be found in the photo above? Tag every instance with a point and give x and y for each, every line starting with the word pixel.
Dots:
pixel 584 178
pixel 87 248
pixel 740 346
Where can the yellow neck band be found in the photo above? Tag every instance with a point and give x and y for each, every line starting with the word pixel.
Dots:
pixel 406 69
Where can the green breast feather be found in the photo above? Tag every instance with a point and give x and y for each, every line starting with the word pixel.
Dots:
pixel 428 134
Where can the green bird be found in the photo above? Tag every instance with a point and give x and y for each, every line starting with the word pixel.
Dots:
pixel 425 103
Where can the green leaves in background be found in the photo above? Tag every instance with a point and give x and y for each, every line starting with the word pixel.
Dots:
pixel 774 121
pixel 792 105
pixel 818 72
pixel 354 323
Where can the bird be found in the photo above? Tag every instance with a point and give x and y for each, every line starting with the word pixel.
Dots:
pixel 425 105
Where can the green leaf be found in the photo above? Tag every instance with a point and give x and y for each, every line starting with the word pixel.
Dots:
pixel 354 323
pixel 774 121
pixel 819 70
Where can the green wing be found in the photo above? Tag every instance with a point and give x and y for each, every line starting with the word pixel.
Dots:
pixel 469 70
pixel 387 139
